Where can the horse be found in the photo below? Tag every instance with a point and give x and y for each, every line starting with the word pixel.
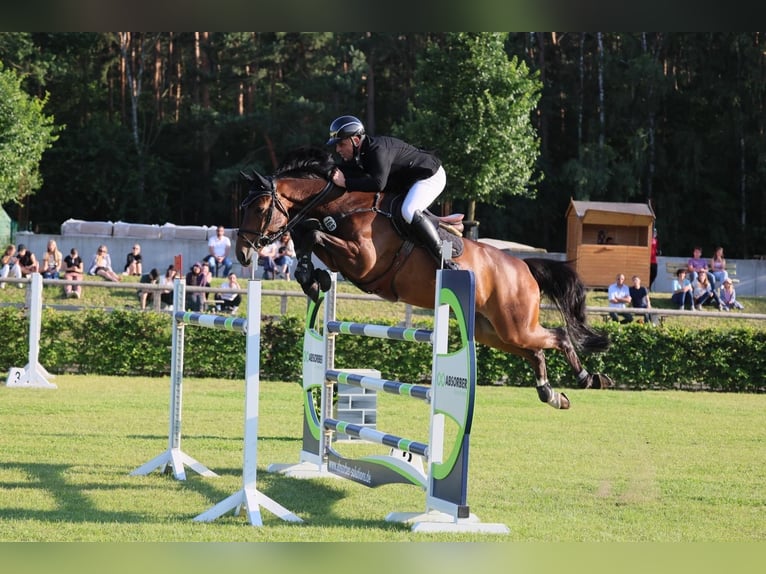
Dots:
pixel 356 234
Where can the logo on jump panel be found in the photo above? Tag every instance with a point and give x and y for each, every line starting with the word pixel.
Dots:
pixel 444 380
pixel 312 358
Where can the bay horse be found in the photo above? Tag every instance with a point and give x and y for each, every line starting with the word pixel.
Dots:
pixel 355 234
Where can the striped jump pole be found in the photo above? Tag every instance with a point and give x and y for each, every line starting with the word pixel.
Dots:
pixel 450 396
pixel 248 497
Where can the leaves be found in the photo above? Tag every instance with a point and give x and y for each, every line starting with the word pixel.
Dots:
pixel 25 133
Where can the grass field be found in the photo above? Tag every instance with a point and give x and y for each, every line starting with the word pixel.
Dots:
pixel 619 467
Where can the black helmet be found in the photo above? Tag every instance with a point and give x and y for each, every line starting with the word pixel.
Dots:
pixel 345 127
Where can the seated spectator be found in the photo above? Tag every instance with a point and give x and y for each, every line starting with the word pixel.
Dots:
pixel 102 265
pixel 729 296
pixel 619 295
pixel 52 261
pixel 682 291
pixel 218 248
pixel 27 261
pixel 639 298
pixel 266 257
pixel 718 268
pixel 228 301
pixel 285 256
pixel 150 278
pixel 696 265
pixel 195 300
pixel 134 262
pixel 167 280
pixel 208 277
pixel 702 292
pixel 73 272
pixel 9 265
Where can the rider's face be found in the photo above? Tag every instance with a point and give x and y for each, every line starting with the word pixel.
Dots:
pixel 345 148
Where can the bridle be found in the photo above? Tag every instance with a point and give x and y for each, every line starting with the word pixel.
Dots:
pixel 276 204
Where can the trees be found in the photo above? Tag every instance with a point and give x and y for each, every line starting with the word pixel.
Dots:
pixel 473 106
pixel 675 118
pixel 25 133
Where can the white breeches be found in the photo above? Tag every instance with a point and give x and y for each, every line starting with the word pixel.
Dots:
pixel 423 193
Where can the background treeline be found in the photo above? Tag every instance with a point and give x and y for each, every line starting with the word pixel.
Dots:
pixel 157 126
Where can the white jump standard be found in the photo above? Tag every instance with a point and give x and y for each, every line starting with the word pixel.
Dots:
pixel 450 396
pixel 33 374
pixel 248 497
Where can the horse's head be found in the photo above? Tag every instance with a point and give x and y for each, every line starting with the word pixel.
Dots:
pixel 277 204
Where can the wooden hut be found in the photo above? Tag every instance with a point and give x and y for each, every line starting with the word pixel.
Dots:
pixel 606 238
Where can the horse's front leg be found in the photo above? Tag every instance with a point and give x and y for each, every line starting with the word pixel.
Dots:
pixel 311 280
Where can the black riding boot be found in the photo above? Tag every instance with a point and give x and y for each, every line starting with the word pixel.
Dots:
pixel 429 237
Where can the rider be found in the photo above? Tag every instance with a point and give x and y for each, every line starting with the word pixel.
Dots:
pixel 380 160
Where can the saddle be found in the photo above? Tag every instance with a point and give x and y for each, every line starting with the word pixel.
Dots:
pixel 450 227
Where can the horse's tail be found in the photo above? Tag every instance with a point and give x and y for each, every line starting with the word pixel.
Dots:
pixel 562 285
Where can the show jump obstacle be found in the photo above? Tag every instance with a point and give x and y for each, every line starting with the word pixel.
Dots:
pixel 450 395
pixel 174 457
pixel 33 375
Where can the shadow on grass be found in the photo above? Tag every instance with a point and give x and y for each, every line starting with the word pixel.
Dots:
pixel 72 502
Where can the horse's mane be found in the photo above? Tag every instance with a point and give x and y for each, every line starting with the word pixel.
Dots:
pixel 306 162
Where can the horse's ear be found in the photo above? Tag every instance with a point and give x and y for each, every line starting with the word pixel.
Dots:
pixel 258 180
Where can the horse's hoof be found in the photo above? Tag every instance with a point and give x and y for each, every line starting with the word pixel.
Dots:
pixel 312 291
pixel 564 403
pixel 324 279
pixel 603 381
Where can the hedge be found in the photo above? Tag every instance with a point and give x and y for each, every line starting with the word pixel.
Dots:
pixel 124 342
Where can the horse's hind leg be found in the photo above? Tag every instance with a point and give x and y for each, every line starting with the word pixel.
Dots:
pixel 486 334
pixel 544 390
pixel 585 379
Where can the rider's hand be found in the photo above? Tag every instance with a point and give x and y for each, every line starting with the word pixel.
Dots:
pixel 338 178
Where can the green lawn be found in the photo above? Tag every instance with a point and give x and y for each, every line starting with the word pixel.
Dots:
pixel 618 467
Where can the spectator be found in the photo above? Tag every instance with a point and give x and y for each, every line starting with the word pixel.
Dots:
pixel 266 257
pixel 167 280
pixel 10 265
pixel 697 264
pixel 150 278
pixel 102 265
pixel 228 301
pixel 73 272
pixel 208 277
pixel 52 261
pixel 207 272
pixel 619 295
pixel 285 256
pixel 134 262
pixel 729 296
pixel 27 261
pixel 718 267
pixel 195 300
pixel 702 292
pixel 654 251
pixel 639 298
pixel 219 247
pixel 682 291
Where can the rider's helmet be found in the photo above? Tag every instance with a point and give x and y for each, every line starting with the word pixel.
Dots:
pixel 345 127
